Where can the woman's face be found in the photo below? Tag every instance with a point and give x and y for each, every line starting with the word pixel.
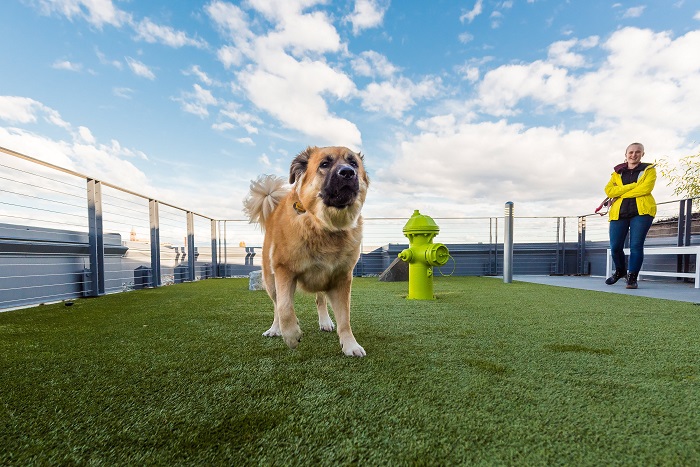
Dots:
pixel 634 154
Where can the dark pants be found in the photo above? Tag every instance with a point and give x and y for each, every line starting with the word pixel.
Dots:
pixel 637 227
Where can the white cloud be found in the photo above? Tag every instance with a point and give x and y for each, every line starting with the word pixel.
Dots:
pixel 647 77
pixel 646 88
pixel 231 20
pixel 301 34
pixel 105 61
pixel 372 64
pixel 697 15
pixel 96 12
pixel 277 10
pixel 15 109
pixel 148 31
pixel 124 93
pixel 245 120
pixel 470 73
pixel 85 135
pixel 201 75
pixel 496 17
pixel 230 56
pixel 297 100
pixel 223 126
pixel 67 65
pixel 140 69
pixel 465 37
pixel 23 110
pixel 397 96
pixel 281 72
pixel 503 88
pixel 473 13
pixel 78 150
pixel 197 102
pixel 634 12
pixel 367 14
pixel 246 140
pixel 560 53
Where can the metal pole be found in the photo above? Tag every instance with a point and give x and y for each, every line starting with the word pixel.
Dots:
pixel 557 247
pixel 687 232
pixel 155 242
pixel 214 259
pixel 190 246
pixel 495 248
pixel 582 245
pixel 508 244
pixel 96 238
pixel 680 241
pixel 225 252
pixel 563 243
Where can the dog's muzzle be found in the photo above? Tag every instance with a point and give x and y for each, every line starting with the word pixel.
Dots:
pixel 341 187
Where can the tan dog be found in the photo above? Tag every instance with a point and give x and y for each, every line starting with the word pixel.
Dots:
pixel 313 234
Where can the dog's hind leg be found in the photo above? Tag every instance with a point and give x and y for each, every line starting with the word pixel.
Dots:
pixel 325 323
pixel 274 331
pixel 340 301
pixel 285 286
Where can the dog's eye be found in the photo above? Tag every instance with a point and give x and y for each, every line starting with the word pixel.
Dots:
pixel 353 162
pixel 325 164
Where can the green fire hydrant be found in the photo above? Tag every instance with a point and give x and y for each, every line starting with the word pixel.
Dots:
pixel 421 255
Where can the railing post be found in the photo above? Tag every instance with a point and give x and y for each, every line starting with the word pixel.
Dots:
pixel 581 253
pixel 190 245
pixel 508 244
pixel 225 252
pixel 688 220
pixel 557 248
pixel 214 259
pixel 495 246
pixel 563 242
pixel 155 242
pixel 687 232
pixel 96 238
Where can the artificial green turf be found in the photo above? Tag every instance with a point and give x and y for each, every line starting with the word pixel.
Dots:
pixel 489 373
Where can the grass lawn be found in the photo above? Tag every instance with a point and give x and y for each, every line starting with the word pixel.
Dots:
pixel 489 373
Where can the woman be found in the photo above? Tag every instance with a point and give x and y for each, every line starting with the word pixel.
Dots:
pixel 633 210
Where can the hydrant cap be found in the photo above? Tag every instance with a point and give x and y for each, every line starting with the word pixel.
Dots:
pixel 418 223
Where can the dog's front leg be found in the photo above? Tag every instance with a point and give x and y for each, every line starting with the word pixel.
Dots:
pixel 325 323
pixel 285 286
pixel 269 280
pixel 340 301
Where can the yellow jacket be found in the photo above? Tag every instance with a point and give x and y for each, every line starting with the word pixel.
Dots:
pixel 641 190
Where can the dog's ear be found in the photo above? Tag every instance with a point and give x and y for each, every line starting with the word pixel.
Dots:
pixel 299 164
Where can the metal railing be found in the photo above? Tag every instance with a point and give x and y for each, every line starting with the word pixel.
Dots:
pixel 64 235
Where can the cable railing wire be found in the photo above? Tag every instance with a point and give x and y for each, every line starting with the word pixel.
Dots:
pixel 185 249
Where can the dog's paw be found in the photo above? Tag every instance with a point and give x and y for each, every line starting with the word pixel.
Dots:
pixel 326 325
pixel 274 331
pixel 293 337
pixel 353 349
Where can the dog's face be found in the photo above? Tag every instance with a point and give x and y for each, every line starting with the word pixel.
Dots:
pixel 331 184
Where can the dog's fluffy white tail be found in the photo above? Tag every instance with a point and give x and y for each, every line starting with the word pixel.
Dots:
pixel 265 194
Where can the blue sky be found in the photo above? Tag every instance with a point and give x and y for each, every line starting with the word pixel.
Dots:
pixel 458 106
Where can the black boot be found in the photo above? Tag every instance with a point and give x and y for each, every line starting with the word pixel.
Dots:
pixel 632 280
pixel 617 275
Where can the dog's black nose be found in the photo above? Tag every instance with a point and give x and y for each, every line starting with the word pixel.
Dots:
pixel 347 172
